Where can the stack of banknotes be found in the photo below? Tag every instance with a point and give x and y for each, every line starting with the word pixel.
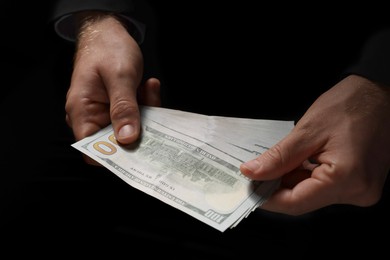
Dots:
pixel 192 161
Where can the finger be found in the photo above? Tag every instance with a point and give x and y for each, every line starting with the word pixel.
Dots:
pixel 84 116
pixel 283 157
pixel 307 195
pixel 149 93
pixel 291 179
pixel 124 110
pixel 91 161
pixel 86 119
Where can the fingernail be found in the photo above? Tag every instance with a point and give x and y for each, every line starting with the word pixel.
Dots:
pixel 251 165
pixel 126 131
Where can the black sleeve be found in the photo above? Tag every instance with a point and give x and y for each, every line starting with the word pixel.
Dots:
pixel 62 15
pixel 374 61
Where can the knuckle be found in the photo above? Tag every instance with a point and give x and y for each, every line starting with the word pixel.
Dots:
pixel 275 155
pixel 125 69
pixel 366 195
pixel 123 108
pixel 363 191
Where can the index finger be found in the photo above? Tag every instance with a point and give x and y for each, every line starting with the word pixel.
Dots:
pixel 308 195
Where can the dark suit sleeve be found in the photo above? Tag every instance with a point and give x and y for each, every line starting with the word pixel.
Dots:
pixel 374 62
pixel 63 10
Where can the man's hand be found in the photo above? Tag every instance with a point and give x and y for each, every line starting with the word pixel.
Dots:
pixel 106 81
pixel 338 153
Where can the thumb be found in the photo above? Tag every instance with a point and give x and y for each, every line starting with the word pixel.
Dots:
pixel 287 155
pixel 124 110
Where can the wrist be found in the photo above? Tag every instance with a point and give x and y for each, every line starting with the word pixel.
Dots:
pixel 70 26
pixel 89 24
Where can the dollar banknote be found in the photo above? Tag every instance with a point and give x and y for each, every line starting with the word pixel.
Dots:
pixel 191 161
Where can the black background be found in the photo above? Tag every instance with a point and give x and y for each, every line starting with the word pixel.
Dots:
pixel 224 59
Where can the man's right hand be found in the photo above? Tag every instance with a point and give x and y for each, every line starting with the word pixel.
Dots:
pixel 106 81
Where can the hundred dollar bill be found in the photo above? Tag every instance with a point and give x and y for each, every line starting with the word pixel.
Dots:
pixel 199 176
pixel 250 136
